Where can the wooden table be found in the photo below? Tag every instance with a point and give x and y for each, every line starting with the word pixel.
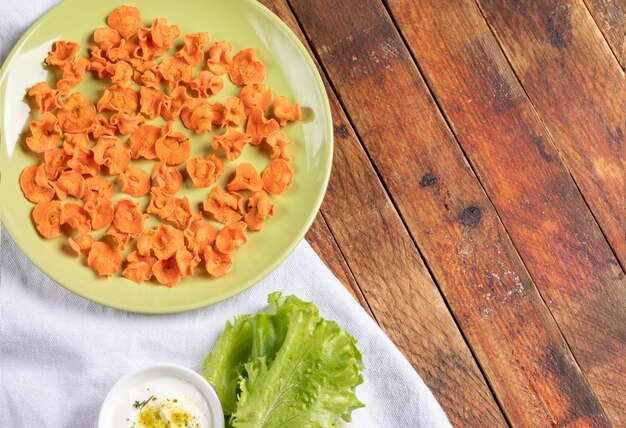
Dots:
pixel 476 204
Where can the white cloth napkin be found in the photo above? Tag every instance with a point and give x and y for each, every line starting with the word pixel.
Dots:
pixel 60 354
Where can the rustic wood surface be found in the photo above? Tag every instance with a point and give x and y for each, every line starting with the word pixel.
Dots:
pixel 476 204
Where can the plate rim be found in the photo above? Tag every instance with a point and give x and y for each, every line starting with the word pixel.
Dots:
pixel 329 140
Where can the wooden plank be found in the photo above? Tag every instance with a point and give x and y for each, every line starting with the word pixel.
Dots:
pixel 609 16
pixel 576 86
pixel 323 242
pixel 530 187
pixel 392 275
pixel 494 300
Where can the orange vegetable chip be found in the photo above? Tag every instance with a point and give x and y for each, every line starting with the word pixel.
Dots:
pixel 121 239
pixel 143 142
pixel 34 184
pixel 135 181
pixel 186 261
pixel 197 115
pixel 246 178
pixel 82 244
pixel 125 51
pixel 144 242
pixel 277 177
pixel 118 98
pixel 157 39
pixel 246 68
pixel 97 62
pixel 167 272
pixel 62 53
pixel 106 38
pixel 82 161
pixel 96 188
pixel 256 95
pixel 278 142
pixel 234 112
pixel 45 97
pixel 75 216
pixel 174 103
pixel 45 133
pixel 69 183
pixel 166 240
pixel 259 208
pixel 122 73
pixel 200 236
pixel 175 70
pixel 206 84
pixel 182 216
pixel 127 217
pixel 100 211
pixel 173 147
pixel 219 110
pixel 217 263
pixel 127 123
pixel 73 74
pixel 192 49
pixel 231 237
pixel 285 112
pixel 160 205
pixel 111 152
pixel 226 207
pixel 170 180
pixel 103 259
pixel 219 61
pixel 101 126
pixel 152 102
pixel 259 127
pixel 204 171
pixel 126 20
pixel 139 268
pixel 231 143
pixel 73 142
pixel 148 75
pixel 47 218
pixel 77 114
pixel 54 163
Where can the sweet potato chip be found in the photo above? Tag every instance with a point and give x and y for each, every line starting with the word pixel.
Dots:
pixel 111 152
pixel 182 216
pixel 231 237
pixel 167 272
pixel 73 142
pixel 127 217
pixel 200 236
pixel 125 51
pixel 256 95
pixel 54 162
pixel 45 133
pixel 122 73
pixel 82 244
pixel 75 216
pixel 186 261
pixel 231 143
pixel 148 75
pixel 260 207
pixel 73 74
pixel 204 171
pixel 234 112
pixel 152 102
pixel 157 39
pixel 278 142
pixel 77 114
pixel 166 240
pixel 45 97
pixel 160 205
pixel 206 84
pixel 169 179
pixel 97 62
pixel 246 68
pixel 246 178
pixel 259 127
pixel 139 268
pixel 217 263
pixel 191 51
pixel 103 259
pixel 277 177
pixel 69 183
pixel 219 61
pixel 47 218
pixel 226 207
pixel 174 103
pixel 175 70
pixel 173 147
pixel 127 123
pixel 62 53
pixel 106 38
pixel 143 142
pixel 197 115
pixel 101 126
pixel 126 20
pixel 119 238
pixel 144 242
pixel 34 184
pixel 135 181
pixel 96 188
pixel 118 98
pixel 82 161
pixel 285 112
pixel 100 211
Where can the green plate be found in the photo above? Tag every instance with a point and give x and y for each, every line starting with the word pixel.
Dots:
pixel 290 71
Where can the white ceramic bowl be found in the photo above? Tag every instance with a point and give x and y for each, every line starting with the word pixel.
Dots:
pixel 121 387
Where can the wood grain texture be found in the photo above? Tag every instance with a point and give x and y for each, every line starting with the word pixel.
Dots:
pixel 493 298
pixel 322 241
pixel 394 279
pixel 609 16
pixel 575 84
